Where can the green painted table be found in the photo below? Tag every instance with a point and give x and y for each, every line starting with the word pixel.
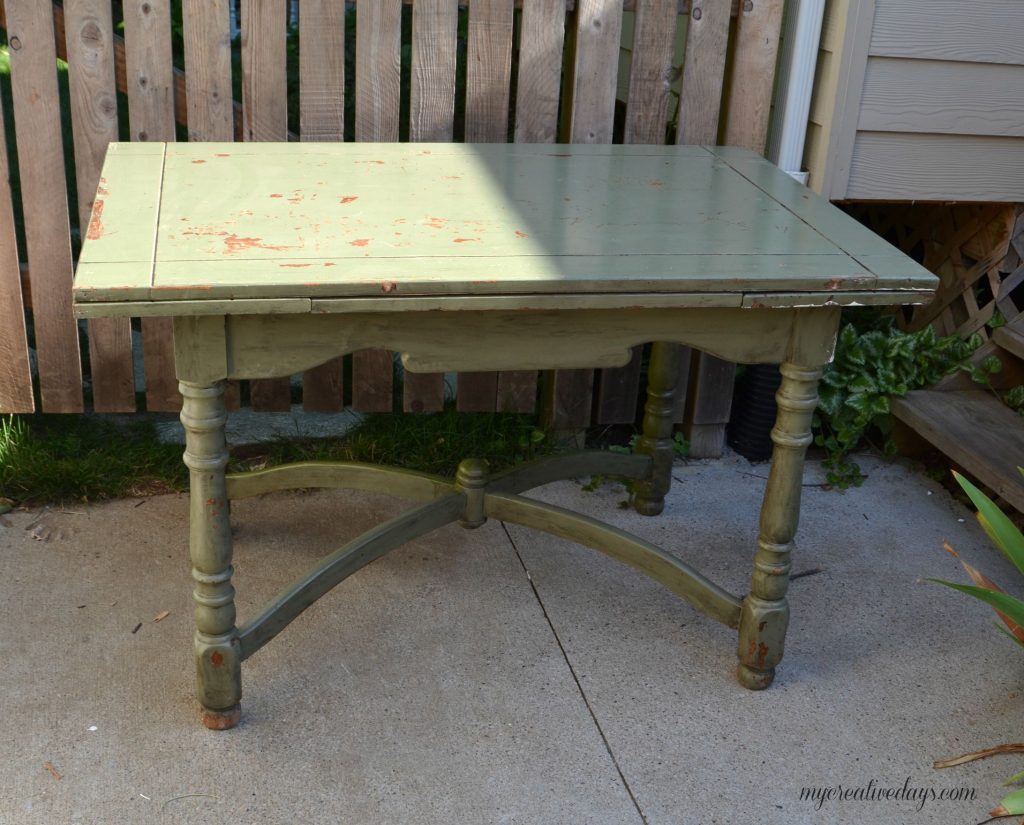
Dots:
pixel 274 258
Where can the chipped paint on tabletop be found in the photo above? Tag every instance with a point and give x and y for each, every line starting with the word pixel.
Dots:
pixel 95 231
pixel 239 220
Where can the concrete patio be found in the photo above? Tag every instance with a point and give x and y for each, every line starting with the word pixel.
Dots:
pixel 502 676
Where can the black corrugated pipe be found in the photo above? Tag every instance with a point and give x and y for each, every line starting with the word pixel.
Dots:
pixel 753 412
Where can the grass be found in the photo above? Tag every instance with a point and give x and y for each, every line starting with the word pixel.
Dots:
pixel 430 443
pixel 50 459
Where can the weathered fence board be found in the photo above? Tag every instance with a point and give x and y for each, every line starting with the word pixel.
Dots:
pixel 488 69
pixel 89 27
pixel 651 72
pixel 211 108
pixel 757 41
pixel 650 86
pixel 208 71
pixel 44 201
pixel 265 117
pixel 700 105
pixel 595 70
pixel 264 82
pixel 432 89
pixel 378 95
pixel 753 72
pixel 322 70
pixel 538 83
pixel 700 102
pixel 431 118
pixel 597 35
pixel 539 79
pixel 149 83
pixel 15 372
pixel 488 77
pixel 322 118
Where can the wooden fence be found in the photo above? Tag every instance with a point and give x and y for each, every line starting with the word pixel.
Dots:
pixel 532 70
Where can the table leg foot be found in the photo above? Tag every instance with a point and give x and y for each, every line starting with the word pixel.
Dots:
pixel 753 679
pixel 222 719
pixel 762 638
pixel 218 679
pixel 656 441
pixel 649 506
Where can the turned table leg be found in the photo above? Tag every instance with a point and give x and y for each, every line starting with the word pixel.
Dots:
pixel 765 612
pixel 216 647
pixel 656 441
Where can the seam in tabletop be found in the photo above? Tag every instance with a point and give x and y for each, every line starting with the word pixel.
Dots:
pixel 159 208
pixel 853 257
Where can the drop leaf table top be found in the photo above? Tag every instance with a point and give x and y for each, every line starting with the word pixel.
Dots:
pixel 280 227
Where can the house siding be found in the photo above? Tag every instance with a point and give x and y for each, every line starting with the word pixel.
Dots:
pixel 933 100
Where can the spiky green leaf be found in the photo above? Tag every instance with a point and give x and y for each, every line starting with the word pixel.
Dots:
pixel 996 523
pixel 1010 805
pixel 1003 602
pixel 1013 780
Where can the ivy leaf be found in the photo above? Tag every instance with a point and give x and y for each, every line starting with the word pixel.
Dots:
pixel 848 336
pixel 829 401
pixel 874 345
pixel 992 365
pixel 847 437
pixel 976 373
pixel 855 355
pixel 901 345
pixel 861 402
pixel 863 383
pixel 880 405
pixel 834 378
pixel 886 379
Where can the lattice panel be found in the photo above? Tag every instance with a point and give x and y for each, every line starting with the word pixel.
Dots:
pixel 1011 294
pixel 977 250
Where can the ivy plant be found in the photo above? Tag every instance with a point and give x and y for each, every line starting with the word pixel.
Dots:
pixel 1015 399
pixel 871 366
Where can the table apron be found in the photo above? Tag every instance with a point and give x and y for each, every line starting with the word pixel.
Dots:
pixel 264 346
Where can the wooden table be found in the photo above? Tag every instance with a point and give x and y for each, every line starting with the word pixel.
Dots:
pixel 274 258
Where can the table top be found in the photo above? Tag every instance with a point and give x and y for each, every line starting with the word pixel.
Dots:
pixel 287 227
